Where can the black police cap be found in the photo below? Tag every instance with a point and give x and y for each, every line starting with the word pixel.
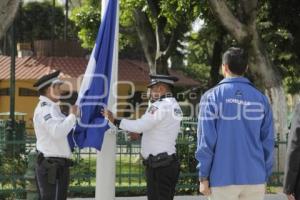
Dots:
pixel 170 80
pixel 47 80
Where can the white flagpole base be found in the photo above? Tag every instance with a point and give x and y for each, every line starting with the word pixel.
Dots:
pixel 106 167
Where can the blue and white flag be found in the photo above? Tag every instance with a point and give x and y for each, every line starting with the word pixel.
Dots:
pixel 95 90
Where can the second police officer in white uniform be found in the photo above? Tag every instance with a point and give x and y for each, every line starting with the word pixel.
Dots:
pixel 160 126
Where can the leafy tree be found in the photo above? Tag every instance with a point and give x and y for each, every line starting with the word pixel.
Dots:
pixel 278 34
pixel 159 25
pixel 204 52
pixel 88 17
pixel 198 57
pixel 35 22
pixel 286 40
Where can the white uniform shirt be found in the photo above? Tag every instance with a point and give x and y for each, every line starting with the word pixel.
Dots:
pixel 160 126
pixel 51 128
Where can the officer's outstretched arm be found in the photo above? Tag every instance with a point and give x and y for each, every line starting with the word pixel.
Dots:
pixel 58 127
pixel 148 121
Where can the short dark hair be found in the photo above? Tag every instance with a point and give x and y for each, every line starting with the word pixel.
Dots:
pixel 236 59
pixel 43 90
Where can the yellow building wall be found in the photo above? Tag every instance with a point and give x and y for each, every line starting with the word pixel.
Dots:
pixel 23 104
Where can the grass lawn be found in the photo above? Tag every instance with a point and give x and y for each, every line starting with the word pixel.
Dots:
pixel 129 172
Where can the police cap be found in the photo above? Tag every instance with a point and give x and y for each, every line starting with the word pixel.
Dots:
pixel 47 80
pixel 170 80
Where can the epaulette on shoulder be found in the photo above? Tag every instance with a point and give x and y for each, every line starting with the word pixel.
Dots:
pixel 44 104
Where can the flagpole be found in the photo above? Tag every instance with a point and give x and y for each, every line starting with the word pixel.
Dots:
pixel 106 159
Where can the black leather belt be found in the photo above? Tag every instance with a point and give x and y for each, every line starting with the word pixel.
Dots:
pixel 160 160
pixel 60 160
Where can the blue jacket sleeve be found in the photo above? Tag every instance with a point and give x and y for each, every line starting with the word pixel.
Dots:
pixel 267 138
pixel 206 135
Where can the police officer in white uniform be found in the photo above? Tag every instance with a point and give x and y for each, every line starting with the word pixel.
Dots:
pixel 51 128
pixel 160 126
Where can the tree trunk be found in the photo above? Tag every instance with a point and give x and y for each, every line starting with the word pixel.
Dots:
pixel 162 65
pixel 8 10
pixel 268 77
pixel 295 100
pixel 216 61
pixel 156 59
pixel 158 45
pixel 147 38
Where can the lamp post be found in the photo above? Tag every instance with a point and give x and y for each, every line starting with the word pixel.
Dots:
pixel 10 128
pixel 66 20
pixel 12 76
pixel 52 28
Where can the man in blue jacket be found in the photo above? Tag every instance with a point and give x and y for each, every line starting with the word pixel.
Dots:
pixel 235 135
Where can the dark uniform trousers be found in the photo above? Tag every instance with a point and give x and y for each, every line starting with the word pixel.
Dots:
pixel 52 182
pixel 161 181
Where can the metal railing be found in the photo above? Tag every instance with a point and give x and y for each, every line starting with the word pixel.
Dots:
pixel 130 179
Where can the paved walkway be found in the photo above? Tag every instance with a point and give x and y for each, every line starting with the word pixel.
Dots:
pixel 268 197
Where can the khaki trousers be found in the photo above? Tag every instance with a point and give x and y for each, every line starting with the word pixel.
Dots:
pixel 238 192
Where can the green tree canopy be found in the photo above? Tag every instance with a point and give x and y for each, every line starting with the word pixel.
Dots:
pixel 34 22
pixel 149 28
pixel 169 24
pixel 279 33
pixel 88 18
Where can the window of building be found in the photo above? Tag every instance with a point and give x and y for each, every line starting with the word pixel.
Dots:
pixel 28 92
pixel 4 91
